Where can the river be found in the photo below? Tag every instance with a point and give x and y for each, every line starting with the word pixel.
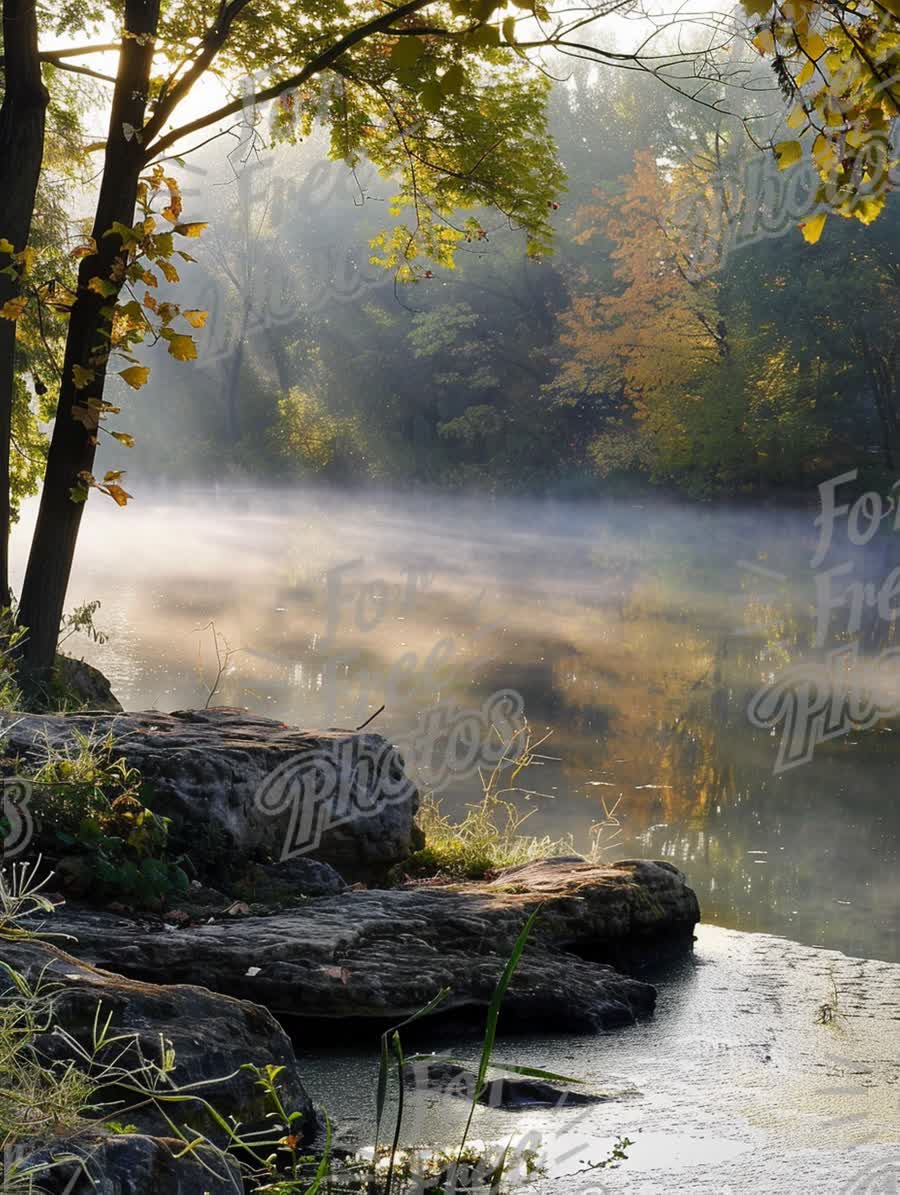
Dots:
pixel 637 633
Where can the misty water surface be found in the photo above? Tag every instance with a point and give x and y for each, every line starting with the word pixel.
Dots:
pixel 636 632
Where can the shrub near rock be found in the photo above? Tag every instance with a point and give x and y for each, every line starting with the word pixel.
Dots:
pixel 93 827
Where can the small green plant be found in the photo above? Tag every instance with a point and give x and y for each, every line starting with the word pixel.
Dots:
pixel 88 804
pixel 11 639
pixel 81 621
pixel 22 896
pixel 465 1168
pixel 489 837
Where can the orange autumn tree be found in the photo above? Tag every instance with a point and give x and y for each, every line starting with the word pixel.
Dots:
pixel 657 336
pixel 702 398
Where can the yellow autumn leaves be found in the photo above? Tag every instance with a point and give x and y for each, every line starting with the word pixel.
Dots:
pixel 135 375
pixel 13 308
pixel 143 247
pixel 18 266
pixel 841 64
pixel 143 255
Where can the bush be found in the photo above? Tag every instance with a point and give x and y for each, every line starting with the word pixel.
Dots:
pixel 88 805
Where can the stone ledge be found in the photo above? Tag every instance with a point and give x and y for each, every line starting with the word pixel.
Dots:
pixel 385 953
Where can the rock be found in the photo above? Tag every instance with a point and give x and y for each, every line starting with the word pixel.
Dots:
pixel 384 954
pixel 130 1164
pixel 75 874
pixel 86 684
pixel 238 786
pixel 446 1078
pixel 273 882
pixel 212 1036
pixel 609 913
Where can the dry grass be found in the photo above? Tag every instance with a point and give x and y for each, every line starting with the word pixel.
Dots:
pixel 491 836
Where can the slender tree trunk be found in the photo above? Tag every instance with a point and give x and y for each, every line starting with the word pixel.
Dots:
pixel 883 382
pixel 73 444
pixel 276 352
pixel 22 118
pixel 233 386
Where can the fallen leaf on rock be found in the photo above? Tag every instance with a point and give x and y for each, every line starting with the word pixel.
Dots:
pixel 341 973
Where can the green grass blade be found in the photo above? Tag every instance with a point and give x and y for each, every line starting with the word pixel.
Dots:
pixel 385 1062
pixel 493 1016
pixel 323 1167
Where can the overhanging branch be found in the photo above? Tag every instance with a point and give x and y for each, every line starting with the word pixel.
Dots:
pixel 315 66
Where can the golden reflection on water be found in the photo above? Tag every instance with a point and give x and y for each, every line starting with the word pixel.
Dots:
pixel 635 633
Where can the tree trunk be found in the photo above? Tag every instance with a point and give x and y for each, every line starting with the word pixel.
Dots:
pixel 881 372
pixel 22 118
pixel 73 445
pixel 233 385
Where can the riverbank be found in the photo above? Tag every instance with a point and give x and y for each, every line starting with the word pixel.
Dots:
pixel 688 1066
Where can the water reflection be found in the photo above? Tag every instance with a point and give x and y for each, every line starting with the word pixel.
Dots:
pixel 636 632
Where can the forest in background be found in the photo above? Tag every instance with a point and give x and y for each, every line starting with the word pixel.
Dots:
pixel 651 348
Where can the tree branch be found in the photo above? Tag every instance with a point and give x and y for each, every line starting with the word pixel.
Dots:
pixel 321 62
pixel 78 51
pixel 83 70
pixel 213 40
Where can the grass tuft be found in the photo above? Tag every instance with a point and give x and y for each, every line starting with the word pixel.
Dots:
pixel 491 837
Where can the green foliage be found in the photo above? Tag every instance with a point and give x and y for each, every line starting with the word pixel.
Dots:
pixel 312 440
pixel 446 328
pixel 88 807
pixel 11 637
pixel 40 1099
pixel 21 896
pixel 80 621
pixel 455 384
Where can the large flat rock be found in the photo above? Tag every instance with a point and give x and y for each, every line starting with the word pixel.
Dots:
pixel 386 953
pixel 236 784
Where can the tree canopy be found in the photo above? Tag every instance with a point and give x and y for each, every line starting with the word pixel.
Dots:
pixel 450 103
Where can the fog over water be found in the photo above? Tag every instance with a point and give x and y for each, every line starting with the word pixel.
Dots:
pixel 637 632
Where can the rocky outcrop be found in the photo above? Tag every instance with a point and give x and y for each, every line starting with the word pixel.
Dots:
pixel 238 786
pixel 212 1037
pixel 274 882
pixel 384 954
pixel 128 1164
pixel 78 681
